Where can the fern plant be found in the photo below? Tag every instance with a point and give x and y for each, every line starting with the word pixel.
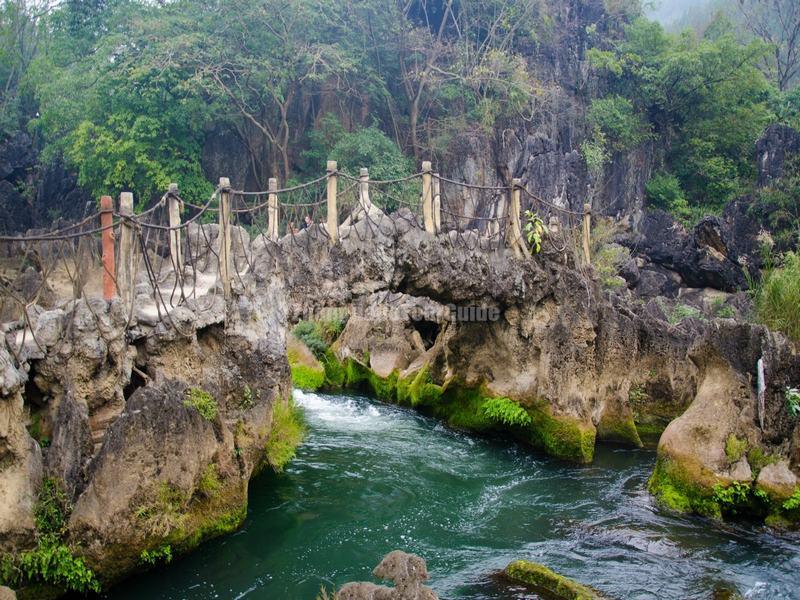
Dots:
pixel 506 411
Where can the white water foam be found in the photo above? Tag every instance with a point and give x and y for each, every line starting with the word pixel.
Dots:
pixel 350 414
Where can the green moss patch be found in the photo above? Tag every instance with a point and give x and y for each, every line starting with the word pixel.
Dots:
pixel 307 378
pixel 202 402
pixel 564 437
pixel 622 430
pixel 547 583
pixel 287 433
pixel 682 488
pixel 735 448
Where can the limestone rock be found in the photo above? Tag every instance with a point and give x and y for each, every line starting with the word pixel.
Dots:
pixel 407 571
pixel 778 481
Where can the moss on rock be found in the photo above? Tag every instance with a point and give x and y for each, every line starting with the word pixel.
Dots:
pixel 682 488
pixel 548 583
pixel 307 372
pixel 307 378
pixel 564 437
pixel 619 429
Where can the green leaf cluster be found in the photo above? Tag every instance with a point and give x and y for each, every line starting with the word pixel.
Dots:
pixel 506 411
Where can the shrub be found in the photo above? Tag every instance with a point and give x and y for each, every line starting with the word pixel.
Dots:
pixel 595 152
pixel 732 497
pixel 683 311
pixel 203 402
pixel 506 411
pixel 793 502
pixel 664 191
pixel 618 120
pixel 152 557
pixel 288 431
pixel 52 561
pixel 778 296
pixel 608 261
pixel 310 334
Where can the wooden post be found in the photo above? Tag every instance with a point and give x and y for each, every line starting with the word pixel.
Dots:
pixel 175 247
pixel 363 191
pixel 273 215
pixel 225 256
pixel 427 197
pixel 125 282
pixel 333 209
pixel 106 222
pixel 437 203
pixel 587 226
pixel 515 218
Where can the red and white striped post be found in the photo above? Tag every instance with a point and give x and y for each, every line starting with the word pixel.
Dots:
pixel 107 225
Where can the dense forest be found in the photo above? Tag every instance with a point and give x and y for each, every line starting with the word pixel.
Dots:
pixel 130 94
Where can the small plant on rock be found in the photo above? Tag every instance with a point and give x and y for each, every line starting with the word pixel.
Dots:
pixel 793 502
pixel 506 411
pixel 732 497
pixel 534 230
pixel 159 555
pixel 203 402
pixel 51 561
pixel 792 396
pixel 209 484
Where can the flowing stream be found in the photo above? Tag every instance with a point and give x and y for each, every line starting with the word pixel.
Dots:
pixel 372 478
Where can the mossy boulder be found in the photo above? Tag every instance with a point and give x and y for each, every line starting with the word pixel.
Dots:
pixel 307 372
pixel 547 583
pixel 561 436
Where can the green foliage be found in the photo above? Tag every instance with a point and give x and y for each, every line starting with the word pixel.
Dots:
pixel 249 397
pixel 608 261
pixel 777 297
pixel 534 230
pixel 705 98
pixel 371 147
pixel 732 498
pixel 792 396
pixel 287 432
pixel 307 378
pixel 793 502
pixel 618 120
pixel 506 411
pixel 778 205
pixel 758 460
pixel 310 334
pixel 52 561
pixel 637 394
pixel 735 448
pixel 664 192
pixel 683 311
pixel 163 511
pixel 595 152
pixel 158 555
pixel 209 484
pixel 202 402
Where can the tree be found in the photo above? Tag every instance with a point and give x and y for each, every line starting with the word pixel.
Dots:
pixel 777 23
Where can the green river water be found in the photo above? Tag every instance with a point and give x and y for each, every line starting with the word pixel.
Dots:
pixel 372 478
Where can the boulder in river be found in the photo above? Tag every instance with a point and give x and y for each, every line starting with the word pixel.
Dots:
pixel 407 571
pixel 548 583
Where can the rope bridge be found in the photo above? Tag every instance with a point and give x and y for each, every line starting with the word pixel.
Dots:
pixel 178 254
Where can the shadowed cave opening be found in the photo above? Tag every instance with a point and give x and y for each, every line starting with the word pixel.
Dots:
pixel 428 331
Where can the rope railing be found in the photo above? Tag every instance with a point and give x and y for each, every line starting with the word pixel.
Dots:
pixel 160 259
